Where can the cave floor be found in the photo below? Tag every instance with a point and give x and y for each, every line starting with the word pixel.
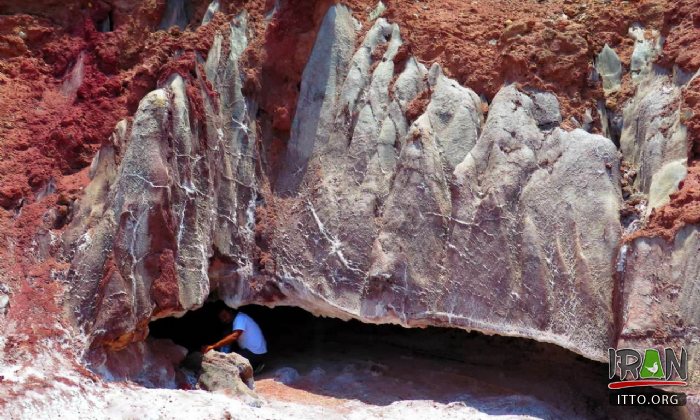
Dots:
pixel 346 374
pixel 349 367
pixel 344 370
pixel 342 374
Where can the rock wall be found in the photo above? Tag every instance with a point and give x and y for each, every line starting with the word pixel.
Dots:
pixel 398 200
pixel 659 294
pixel 449 220
pixel 399 178
pixel 182 189
pixel 653 139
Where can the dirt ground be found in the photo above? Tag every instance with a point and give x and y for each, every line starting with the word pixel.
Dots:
pixel 340 369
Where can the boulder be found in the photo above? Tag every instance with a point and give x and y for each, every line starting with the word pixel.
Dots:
pixel 230 373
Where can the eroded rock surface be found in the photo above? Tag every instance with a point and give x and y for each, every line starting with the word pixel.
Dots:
pixel 652 134
pixel 153 363
pixel 181 189
pixel 446 220
pixel 401 197
pixel 659 295
pixel 609 68
pixel 399 162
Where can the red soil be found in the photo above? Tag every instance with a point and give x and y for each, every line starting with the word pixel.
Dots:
pixel 551 45
pixel 277 60
pixel 682 210
pixel 681 26
pixel 417 106
pixel 486 44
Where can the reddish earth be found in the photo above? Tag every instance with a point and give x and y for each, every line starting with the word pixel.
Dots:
pixel 545 44
pixel 682 210
pixel 51 128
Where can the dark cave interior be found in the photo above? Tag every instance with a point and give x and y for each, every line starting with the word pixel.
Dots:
pixel 291 329
pixel 298 339
pixel 286 328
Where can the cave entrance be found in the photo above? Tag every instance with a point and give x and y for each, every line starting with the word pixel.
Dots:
pixel 335 360
pixel 287 330
pixel 293 333
pixel 194 329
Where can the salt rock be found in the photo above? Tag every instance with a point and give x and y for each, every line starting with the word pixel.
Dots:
pixel 230 373
pixel 609 67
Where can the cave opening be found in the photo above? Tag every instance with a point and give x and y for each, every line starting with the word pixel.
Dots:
pixel 291 331
pixel 194 329
pixel 382 364
pixel 106 24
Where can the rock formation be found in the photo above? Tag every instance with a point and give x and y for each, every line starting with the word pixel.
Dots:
pixel 183 190
pixel 440 221
pixel 435 221
pixel 382 184
pixel 658 294
pixel 397 201
pixel 227 373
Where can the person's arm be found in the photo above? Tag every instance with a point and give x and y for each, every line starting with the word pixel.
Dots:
pixel 224 341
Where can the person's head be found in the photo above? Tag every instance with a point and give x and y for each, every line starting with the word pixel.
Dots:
pixel 226 315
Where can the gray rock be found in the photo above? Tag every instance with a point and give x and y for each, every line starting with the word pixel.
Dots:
pixel 211 10
pixel 229 373
pixel 377 11
pixel 454 114
pixel 644 53
pixel 320 87
pixel 183 190
pixel 546 109
pixel 651 135
pixel 665 182
pixel 512 239
pixel 358 156
pixel 175 15
pixel 608 65
pixel 286 375
pixel 457 224
pixel 506 226
pixel 4 302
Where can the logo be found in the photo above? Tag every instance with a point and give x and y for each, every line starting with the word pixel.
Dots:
pixel 647 368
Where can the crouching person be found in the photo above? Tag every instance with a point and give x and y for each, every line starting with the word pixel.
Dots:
pixel 247 334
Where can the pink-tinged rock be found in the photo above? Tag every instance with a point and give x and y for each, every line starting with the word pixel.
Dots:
pixel 168 191
pixel 659 296
pixel 151 363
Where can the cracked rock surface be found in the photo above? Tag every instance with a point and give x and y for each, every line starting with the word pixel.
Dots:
pixel 527 169
pixel 398 201
pixel 182 190
pixel 660 296
pixel 505 225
